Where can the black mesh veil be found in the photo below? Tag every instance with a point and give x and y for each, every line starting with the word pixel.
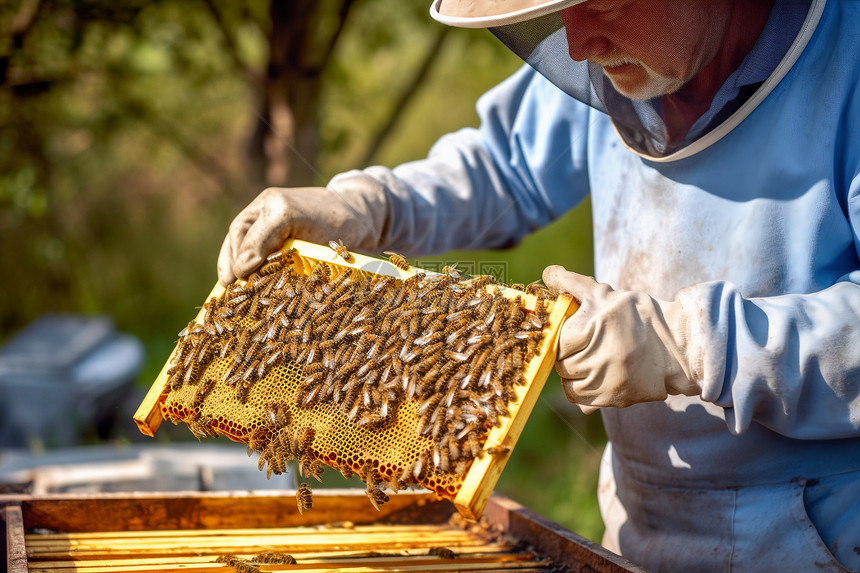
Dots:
pixel 534 30
pixel 542 43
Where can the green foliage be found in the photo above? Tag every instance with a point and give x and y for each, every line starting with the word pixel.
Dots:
pixel 123 136
pixel 93 116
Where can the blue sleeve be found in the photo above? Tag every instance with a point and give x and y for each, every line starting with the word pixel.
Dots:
pixel 489 187
pixel 788 362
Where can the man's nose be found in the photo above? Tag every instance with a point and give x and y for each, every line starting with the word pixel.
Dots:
pixel 585 38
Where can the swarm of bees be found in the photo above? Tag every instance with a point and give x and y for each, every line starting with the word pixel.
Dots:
pixel 440 351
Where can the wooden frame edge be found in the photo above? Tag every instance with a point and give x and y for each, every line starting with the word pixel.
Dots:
pixel 485 472
pixel 14 549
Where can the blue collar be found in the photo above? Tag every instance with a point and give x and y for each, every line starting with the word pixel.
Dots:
pixel 780 30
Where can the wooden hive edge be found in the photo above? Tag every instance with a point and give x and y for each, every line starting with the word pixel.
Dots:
pixel 122 511
pixel 13 544
pixel 228 512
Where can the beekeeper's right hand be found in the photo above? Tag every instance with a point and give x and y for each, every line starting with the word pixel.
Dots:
pixel 355 215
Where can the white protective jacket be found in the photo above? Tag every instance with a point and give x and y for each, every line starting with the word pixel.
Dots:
pixel 761 228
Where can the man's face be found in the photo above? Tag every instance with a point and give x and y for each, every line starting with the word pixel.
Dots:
pixel 647 48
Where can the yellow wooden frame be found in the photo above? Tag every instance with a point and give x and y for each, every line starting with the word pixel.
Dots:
pixel 484 472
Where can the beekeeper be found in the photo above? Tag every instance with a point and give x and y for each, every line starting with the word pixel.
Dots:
pixel 720 143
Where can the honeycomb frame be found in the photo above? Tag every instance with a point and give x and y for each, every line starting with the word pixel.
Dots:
pixel 484 471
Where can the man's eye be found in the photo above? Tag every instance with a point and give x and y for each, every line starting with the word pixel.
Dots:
pixel 609 9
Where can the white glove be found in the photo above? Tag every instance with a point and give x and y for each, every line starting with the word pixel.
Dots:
pixel 355 215
pixel 621 347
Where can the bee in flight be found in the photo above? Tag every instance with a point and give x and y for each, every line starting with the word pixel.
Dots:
pixel 340 250
pixel 397 260
pixel 304 498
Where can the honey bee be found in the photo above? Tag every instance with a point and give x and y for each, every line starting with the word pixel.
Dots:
pixel 279 414
pixel 499 349
pixel 472 445
pixel 305 439
pixel 340 250
pixel 428 338
pixel 481 281
pixel 279 256
pixel 275 559
pixel 304 498
pixel 238 565
pixel 324 271
pixel 174 379
pixel 536 288
pixel 239 301
pixel 409 380
pixel 441 458
pixel 313 469
pixel 517 358
pixel 453 449
pixel 457 316
pixel 395 483
pixel 427 406
pixel 265 456
pixel 341 282
pixel 243 391
pixel 403 292
pixel 419 466
pixel 256 441
pixel 272 358
pixel 201 430
pixel 398 261
pixel 381 284
pixel 278 460
pixel 311 397
pixel 222 324
pixel 498 450
pixel 187 330
pixel 434 350
pixel 442 552
pixel 201 394
pixel 452 273
pixel 376 496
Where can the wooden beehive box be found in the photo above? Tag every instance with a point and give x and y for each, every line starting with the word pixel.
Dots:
pixel 468 491
pixel 188 531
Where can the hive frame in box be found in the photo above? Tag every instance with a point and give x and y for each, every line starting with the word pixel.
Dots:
pixel 25 518
pixel 484 472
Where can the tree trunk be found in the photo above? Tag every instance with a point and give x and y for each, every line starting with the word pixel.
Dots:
pixel 284 147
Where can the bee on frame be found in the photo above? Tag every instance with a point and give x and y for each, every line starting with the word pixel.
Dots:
pixel 397 260
pixel 340 250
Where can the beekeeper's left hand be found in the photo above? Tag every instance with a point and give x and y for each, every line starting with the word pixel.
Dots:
pixel 621 347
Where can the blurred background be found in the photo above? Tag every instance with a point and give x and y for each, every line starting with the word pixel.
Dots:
pixel 131 133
